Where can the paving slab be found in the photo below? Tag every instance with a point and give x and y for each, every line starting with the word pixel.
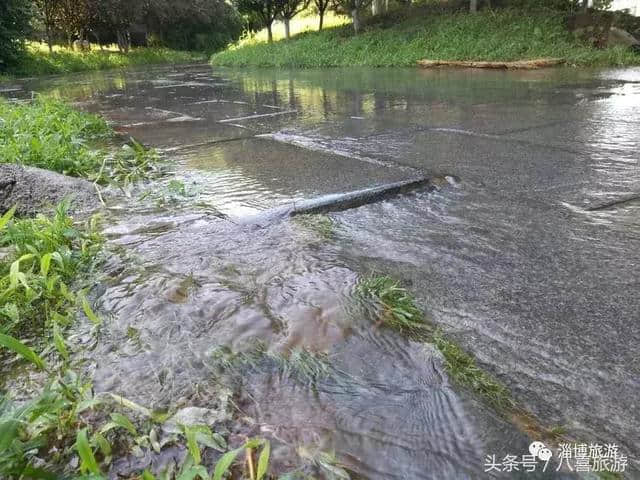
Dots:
pixel 252 175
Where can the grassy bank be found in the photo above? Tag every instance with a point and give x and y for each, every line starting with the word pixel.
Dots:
pixel 38 60
pixel 488 35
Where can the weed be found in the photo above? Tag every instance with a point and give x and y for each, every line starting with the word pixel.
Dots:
pixel 463 368
pixel 398 308
pixel 558 431
pixel 171 194
pixel 610 476
pixel 400 312
pixel 42 426
pixel 44 256
pixel 301 365
pixel 131 164
pixel 326 462
pixel 320 224
pixel 49 134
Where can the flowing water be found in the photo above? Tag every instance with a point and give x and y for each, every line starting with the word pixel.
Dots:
pixel 527 256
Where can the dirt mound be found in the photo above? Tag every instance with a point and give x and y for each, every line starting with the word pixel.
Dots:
pixel 34 190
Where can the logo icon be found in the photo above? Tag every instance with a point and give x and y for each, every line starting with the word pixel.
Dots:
pixel 540 450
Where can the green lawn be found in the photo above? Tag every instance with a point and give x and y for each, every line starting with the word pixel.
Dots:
pixel 488 35
pixel 38 60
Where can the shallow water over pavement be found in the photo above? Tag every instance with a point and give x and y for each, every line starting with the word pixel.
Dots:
pixel 529 260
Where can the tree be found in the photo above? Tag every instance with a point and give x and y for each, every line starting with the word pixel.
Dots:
pixel 473 6
pixel 193 24
pixel 265 10
pixel 288 10
pixel 14 28
pixel 353 8
pixel 72 16
pixel 116 16
pixel 321 6
pixel 48 10
pixel 377 7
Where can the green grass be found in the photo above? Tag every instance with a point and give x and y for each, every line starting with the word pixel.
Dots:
pixel 398 310
pixel 51 135
pixel 38 61
pixel 42 260
pixel 488 35
pixel 42 257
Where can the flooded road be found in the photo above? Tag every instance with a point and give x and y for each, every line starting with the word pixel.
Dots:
pixel 527 256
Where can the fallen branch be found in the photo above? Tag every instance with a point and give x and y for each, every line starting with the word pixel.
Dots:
pixel 519 64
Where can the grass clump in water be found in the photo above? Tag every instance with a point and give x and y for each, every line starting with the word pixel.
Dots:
pixel 301 365
pixel 463 369
pixel 500 35
pixel 132 163
pixel 397 306
pixel 51 135
pixel 400 312
pixel 320 224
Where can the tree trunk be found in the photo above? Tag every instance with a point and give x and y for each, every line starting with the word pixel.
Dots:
pixel 473 6
pixel 49 39
pixel 585 5
pixel 377 7
pixel 119 40
pixel 355 17
pixel 124 41
pixel 321 13
pixel 287 30
pixel 270 33
pixel 97 37
pixel 69 44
